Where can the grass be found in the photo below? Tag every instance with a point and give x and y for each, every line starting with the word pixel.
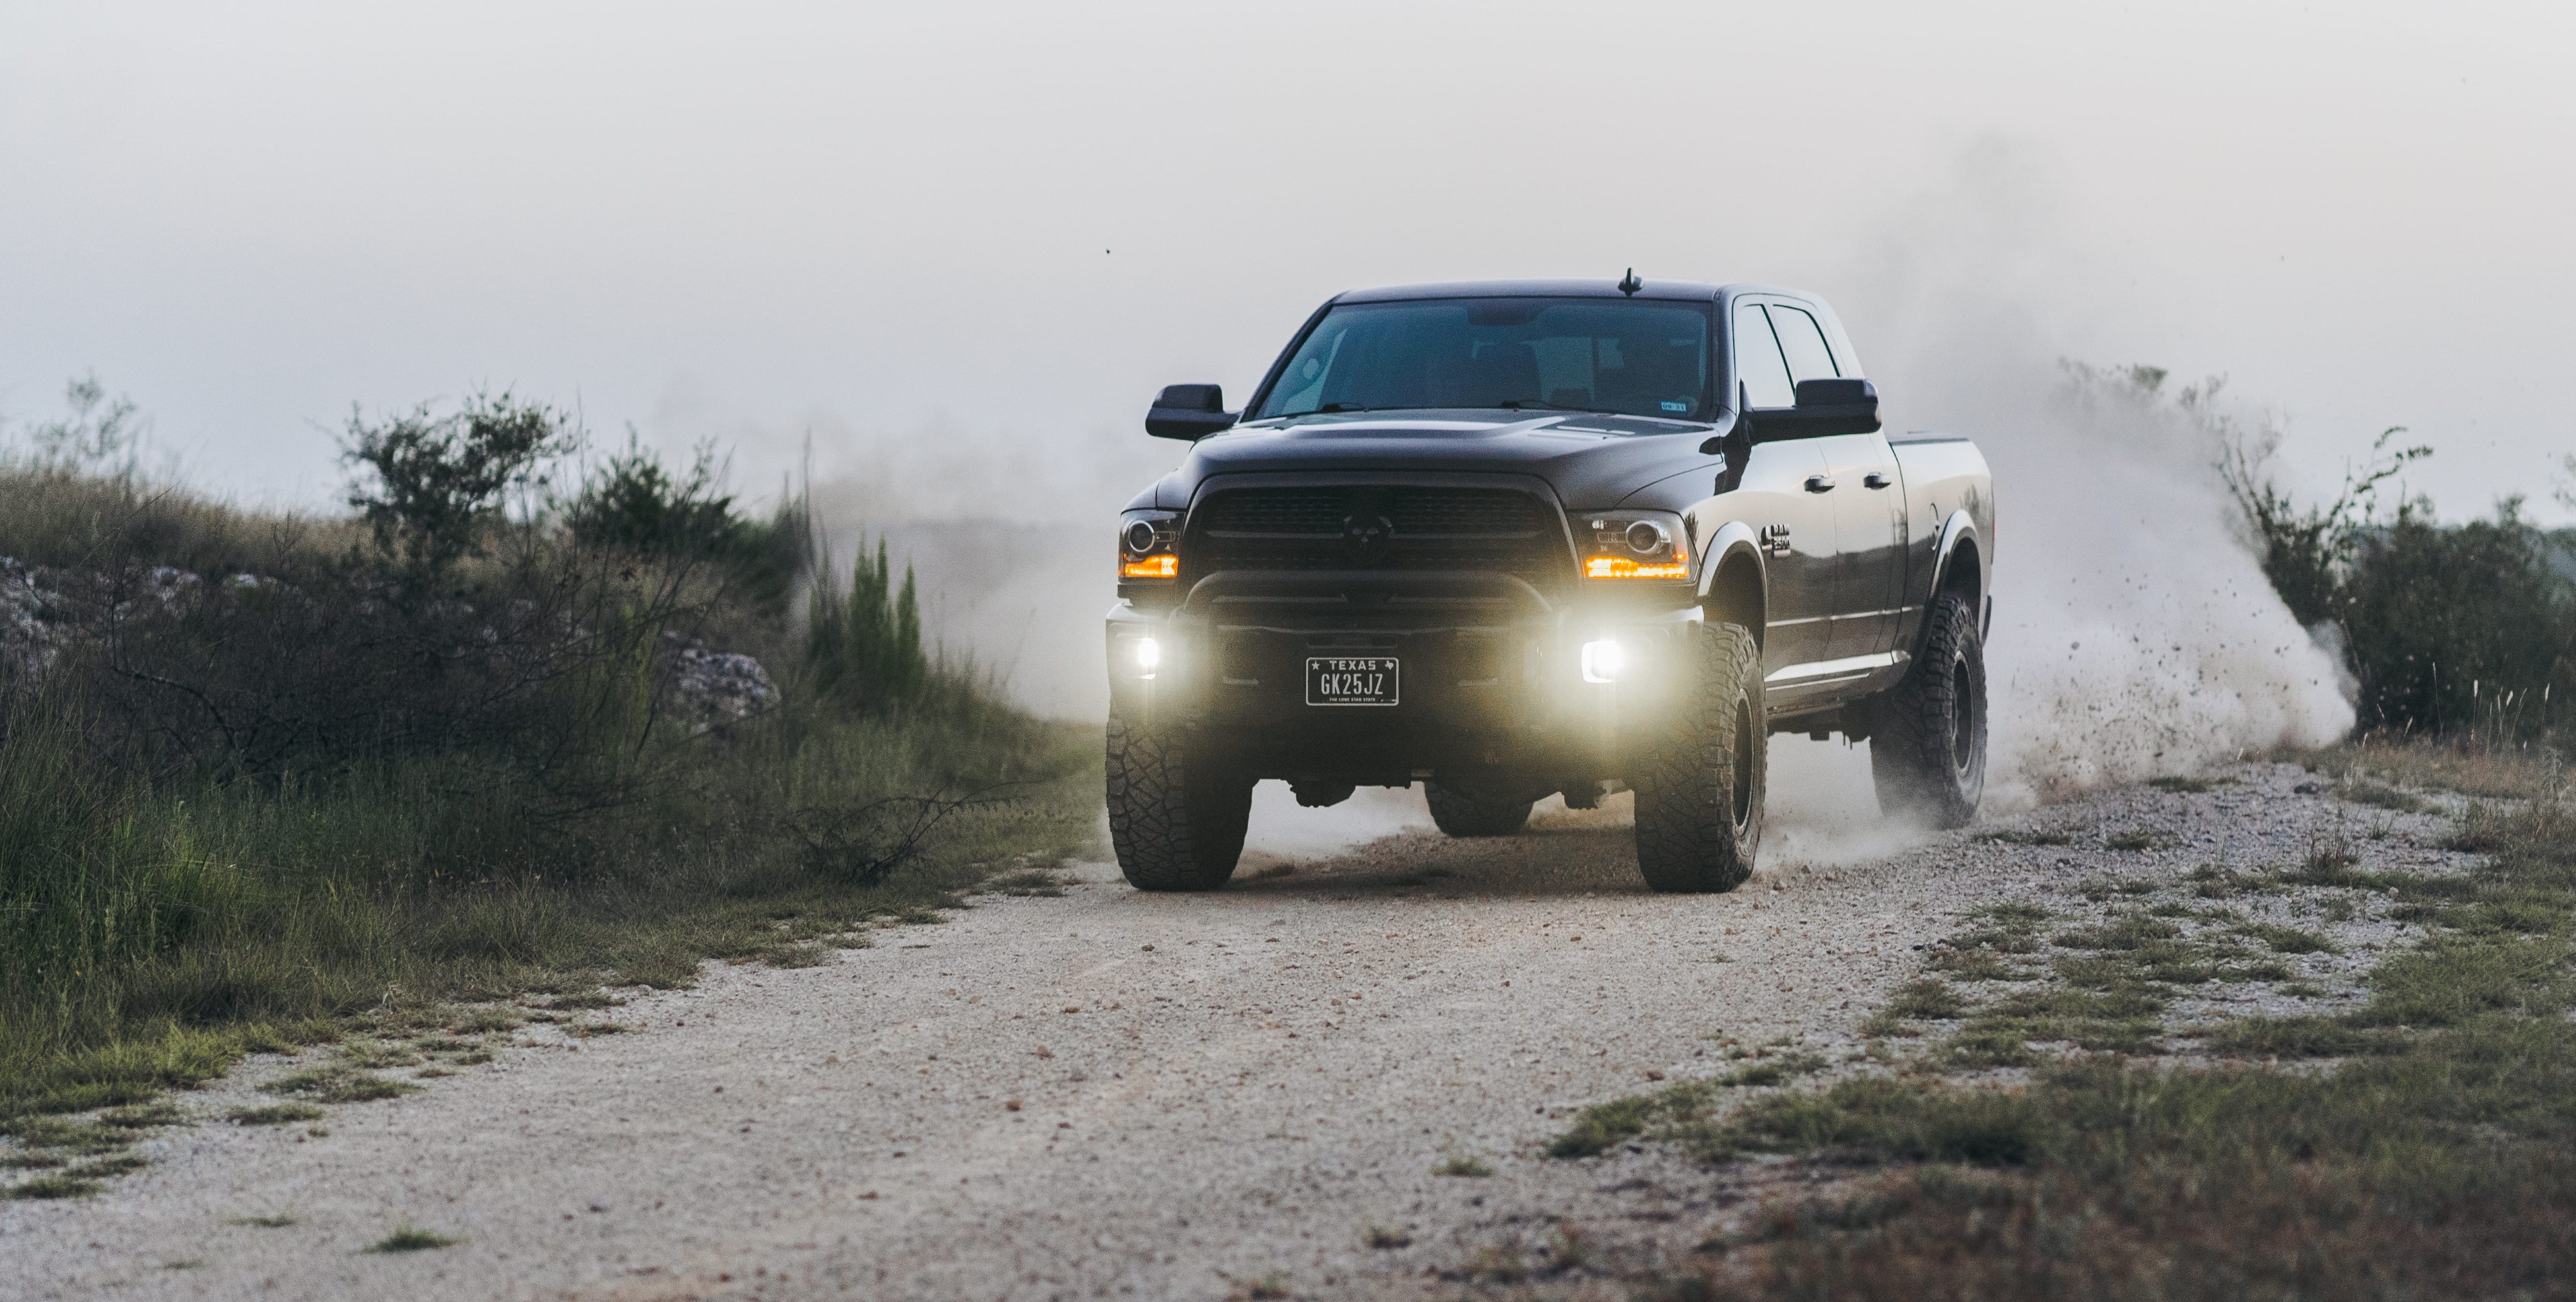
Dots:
pixel 1024 882
pixel 1664 1114
pixel 255 918
pixel 173 897
pixel 2364 791
pixel 2287 940
pixel 2428 1154
pixel 1464 1165
pixel 2183 784
pixel 2139 839
pixel 79 1157
pixel 1926 999
pixel 409 1238
pixel 2479 772
pixel 2028 836
pixel 338 1083
pixel 276 1114
pixel 61 1185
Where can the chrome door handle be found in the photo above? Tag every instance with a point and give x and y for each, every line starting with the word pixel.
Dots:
pixel 1775 539
pixel 1874 480
pixel 1820 483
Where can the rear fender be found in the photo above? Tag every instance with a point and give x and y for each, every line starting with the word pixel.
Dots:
pixel 1959 545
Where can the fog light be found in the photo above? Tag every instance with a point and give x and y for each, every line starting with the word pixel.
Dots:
pixel 1603 661
pixel 1149 653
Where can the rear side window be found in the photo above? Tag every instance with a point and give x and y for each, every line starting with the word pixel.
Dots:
pixel 1809 358
pixel 1757 360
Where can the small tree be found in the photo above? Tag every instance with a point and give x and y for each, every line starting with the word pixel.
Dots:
pixel 100 435
pixel 2307 554
pixel 634 504
pixel 865 645
pixel 429 485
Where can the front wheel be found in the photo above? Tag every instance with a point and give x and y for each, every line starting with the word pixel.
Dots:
pixel 1927 745
pixel 1699 782
pixel 1176 814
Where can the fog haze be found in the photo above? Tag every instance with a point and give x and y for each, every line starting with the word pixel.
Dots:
pixel 947 253
pixel 993 225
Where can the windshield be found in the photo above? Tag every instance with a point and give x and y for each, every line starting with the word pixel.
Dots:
pixel 1545 354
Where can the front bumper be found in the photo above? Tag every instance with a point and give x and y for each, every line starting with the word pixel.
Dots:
pixel 1494 676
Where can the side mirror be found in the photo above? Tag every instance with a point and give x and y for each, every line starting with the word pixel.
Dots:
pixel 1193 411
pixel 1824 407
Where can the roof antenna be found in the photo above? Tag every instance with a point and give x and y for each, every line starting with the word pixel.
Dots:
pixel 1629 284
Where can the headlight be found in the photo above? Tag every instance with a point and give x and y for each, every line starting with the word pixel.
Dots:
pixel 1633 545
pixel 1149 545
pixel 1604 660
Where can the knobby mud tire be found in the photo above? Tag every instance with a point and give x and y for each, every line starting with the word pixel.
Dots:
pixel 1700 782
pixel 1461 813
pixel 1176 821
pixel 1927 746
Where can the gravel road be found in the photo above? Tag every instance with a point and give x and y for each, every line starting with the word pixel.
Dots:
pixel 1103 1094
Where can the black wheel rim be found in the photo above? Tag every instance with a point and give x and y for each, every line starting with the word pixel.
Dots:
pixel 1740 799
pixel 1963 718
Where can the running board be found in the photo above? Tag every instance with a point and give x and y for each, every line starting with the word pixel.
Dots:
pixel 1831 671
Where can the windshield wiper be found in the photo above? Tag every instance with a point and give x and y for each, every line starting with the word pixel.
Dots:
pixel 1525 404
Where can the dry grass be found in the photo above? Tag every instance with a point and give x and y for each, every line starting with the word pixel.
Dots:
pixel 173 895
pixel 2429 1157
pixel 412 1239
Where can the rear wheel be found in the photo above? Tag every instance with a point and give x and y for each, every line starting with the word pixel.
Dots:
pixel 1176 816
pixel 1468 813
pixel 1699 783
pixel 1927 745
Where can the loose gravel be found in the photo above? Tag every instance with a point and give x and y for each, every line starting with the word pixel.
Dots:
pixel 1254 1092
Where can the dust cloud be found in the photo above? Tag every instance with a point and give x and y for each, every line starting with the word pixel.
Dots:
pixel 2134 633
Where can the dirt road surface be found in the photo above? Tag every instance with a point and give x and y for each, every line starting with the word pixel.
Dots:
pixel 1107 1094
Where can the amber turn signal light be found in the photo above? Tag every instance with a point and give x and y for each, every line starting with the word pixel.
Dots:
pixel 1624 567
pixel 1165 566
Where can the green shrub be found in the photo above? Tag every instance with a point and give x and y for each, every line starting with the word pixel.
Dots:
pixel 447 760
pixel 634 505
pixel 2448 629
pixel 2452 626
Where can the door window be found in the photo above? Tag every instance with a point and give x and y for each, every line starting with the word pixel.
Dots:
pixel 1757 360
pixel 1809 358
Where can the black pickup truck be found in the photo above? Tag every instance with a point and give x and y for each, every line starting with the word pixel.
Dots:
pixel 1524 538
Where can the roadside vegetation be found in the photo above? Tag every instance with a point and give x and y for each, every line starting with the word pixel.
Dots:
pixel 2056 1132
pixel 2463 632
pixel 2060 1108
pixel 515 726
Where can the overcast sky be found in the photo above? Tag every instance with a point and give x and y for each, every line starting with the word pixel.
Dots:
pixel 937 238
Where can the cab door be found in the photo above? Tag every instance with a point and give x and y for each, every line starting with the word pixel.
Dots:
pixel 1868 506
pixel 1779 495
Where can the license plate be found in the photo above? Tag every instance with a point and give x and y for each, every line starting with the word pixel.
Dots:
pixel 1352 680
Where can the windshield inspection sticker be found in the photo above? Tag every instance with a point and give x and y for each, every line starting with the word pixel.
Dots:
pixel 1670 405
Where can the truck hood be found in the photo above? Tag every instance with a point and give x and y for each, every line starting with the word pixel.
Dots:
pixel 1593 461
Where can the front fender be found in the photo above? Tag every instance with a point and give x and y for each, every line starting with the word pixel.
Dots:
pixel 1732 538
pixel 1735 542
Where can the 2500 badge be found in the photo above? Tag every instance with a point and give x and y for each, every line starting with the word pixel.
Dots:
pixel 1353 680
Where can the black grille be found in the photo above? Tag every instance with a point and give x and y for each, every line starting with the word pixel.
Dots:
pixel 1397 528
